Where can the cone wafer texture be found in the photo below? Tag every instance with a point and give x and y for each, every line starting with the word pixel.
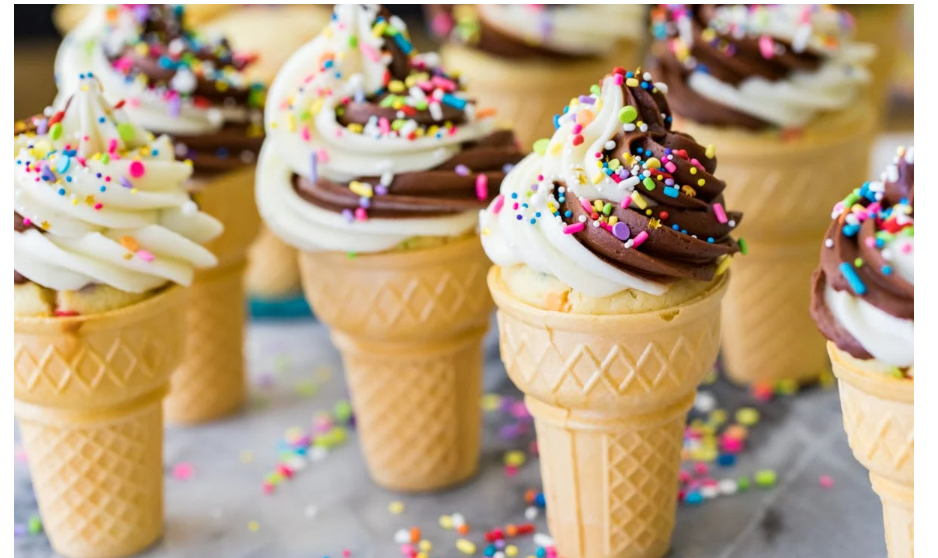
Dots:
pixel 273 271
pixel 879 417
pixel 88 392
pixel 609 395
pixel 409 325
pixel 210 382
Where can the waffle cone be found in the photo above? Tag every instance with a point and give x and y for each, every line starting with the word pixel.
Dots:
pixel 609 395
pixel 272 271
pixel 785 188
pixel 210 382
pixel 87 396
pixel 879 417
pixel 409 326
pixel 527 95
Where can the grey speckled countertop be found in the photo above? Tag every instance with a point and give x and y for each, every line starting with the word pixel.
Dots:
pixel 332 506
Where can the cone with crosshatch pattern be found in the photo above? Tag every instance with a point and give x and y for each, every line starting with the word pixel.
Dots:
pixel 88 396
pixel 409 325
pixel 879 417
pixel 785 186
pixel 210 383
pixel 609 395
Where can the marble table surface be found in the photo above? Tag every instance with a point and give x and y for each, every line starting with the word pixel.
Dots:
pixel 331 506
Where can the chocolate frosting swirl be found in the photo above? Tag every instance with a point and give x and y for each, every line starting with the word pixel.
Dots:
pixel 869 219
pixel 172 59
pixel 725 54
pixel 686 239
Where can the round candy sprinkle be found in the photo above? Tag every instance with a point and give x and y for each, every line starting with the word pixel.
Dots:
pixel 540 146
pixel 628 114
pixel 396 507
pixel 765 478
pixel 136 169
pixel 747 416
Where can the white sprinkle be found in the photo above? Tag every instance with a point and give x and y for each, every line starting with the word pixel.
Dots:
pixel 595 224
pixel 311 511
pixel 436 113
pixel 643 127
pixel 705 402
pixel 542 540
pixel 887 255
pixel 181 149
pixel 498 554
pixel 458 520
pixel 728 486
pixel 892 173
pixel 628 127
pixel 386 178
pixel 318 453
pixel 247 157
pixel 663 87
pixel 215 117
pixel 581 218
pixel 709 492
pixel 402 536
pixel 731 223
pixel 609 145
pixel 530 513
pixel 190 208
pixel 829 243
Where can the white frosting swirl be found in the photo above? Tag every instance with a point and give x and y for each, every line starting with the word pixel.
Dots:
pixel 110 200
pixel 583 29
pixel 802 95
pixel 305 86
pixel 103 35
pixel 543 245
pixel 888 338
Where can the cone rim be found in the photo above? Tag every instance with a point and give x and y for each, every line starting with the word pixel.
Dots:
pixel 880 386
pixel 648 321
pixel 400 259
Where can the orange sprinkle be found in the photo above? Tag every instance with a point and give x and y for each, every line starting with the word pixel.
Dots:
pixel 463 529
pixel 415 535
pixel 486 112
pixel 129 243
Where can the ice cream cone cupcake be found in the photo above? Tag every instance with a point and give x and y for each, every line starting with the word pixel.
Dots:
pixel 779 90
pixel 193 87
pixel 611 243
pixel 863 302
pixel 374 167
pixel 509 56
pixel 103 226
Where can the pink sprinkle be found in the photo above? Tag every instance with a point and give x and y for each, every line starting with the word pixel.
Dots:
pixel 443 83
pixel 685 477
pixel 731 445
pixel 112 145
pixel 98 206
pixel 183 471
pixel 511 470
pixel 639 239
pixel 626 200
pixel 577 128
pixel 369 51
pixel 268 488
pixel 672 168
pixel 145 255
pixel 499 203
pixel 27 221
pixel 838 207
pixel 718 210
pixel 19 455
pixel 360 214
pixel 605 227
pixel 586 205
pixel 701 469
pixel 574 228
pixel 907 247
pixel 870 242
pixel 304 133
pixel 766 46
pixel 322 156
pixel 617 79
pixel 697 164
pixel 826 482
pixel 384 126
pixel 136 169
pixel 482 187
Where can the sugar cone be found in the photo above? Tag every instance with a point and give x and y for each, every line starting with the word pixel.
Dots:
pixel 609 395
pixel 273 271
pixel 527 94
pixel 210 383
pixel 87 396
pixel 879 417
pixel 786 188
pixel 774 338
pixel 879 25
pixel 409 326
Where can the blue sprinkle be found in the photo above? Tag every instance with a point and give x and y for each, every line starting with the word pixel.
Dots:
pixel 538 214
pixel 539 500
pixel 540 552
pixel 851 230
pixel 221 153
pixel 167 62
pixel 403 43
pixel 101 120
pixel 710 239
pixel 327 64
pixel 568 214
pixel 524 205
pixel 453 101
pixel 629 74
pixel 556 121
pixel 514 195
pixel 61 191
pixel 68 179
pixel 314 167
pixel 726 460
pixel 533 221
pixel 683 231
pixel 887 270
pixel 693 498
pixel 102 189
pixel 519 217
pixel 852 278
pixel 675 227
pixel 670 191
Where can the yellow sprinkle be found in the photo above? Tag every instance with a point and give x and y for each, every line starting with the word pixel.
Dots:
pixel 515 458
pixel 598 178
pixel 446 522
pixel 396 507
pixel 378 30
pixel 486 231
pixel 511 550
pixel 639 200
pixel 653 163
pixel 490 402
pixel 396 86
pixel 711 151
pixel 653 223
pixel 362 189
pixel 631 82
pixel 688 191
pixel 425 545
pixel 129 243
pixel 701 182
pixel 466 547
pixel 45 225
pixel 613 220
pixel 718 417
pixel 556 148
pixel 221 85
pixel 747 416
pixel 693 170
pixel 291 122
pixel 253 526
pixel 723 265
pixel 355 128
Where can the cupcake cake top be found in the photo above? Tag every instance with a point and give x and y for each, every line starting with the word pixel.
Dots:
pixel 371 143
pixel 864 293
pixel 758 66
pixel 524 31
pixel 616 199
pixel 98 200
pixel 173 80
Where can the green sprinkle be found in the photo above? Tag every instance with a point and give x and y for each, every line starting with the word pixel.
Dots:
pixel 858 262
pixel 765 478
pixel 540 146
pixel 594 89
pixel 35 525
pixel 55 132
pixel 742 484
pixel 353 41
pixel 607 209
pixel 342 411
pixel 105 158
pixel 126 131
pixel 397 124
pixel 851 199
pixel 649 183
pixel 421 105
pixel 908 231
pixel 743 247
pixel 351 255
pixel 627 114
pixel 896 373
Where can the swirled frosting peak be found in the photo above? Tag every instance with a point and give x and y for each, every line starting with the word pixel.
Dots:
pixel 174 80
pixel 864 288
pixel 98 200
pixel 370 143
pixel 758 66
pixel 615 200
